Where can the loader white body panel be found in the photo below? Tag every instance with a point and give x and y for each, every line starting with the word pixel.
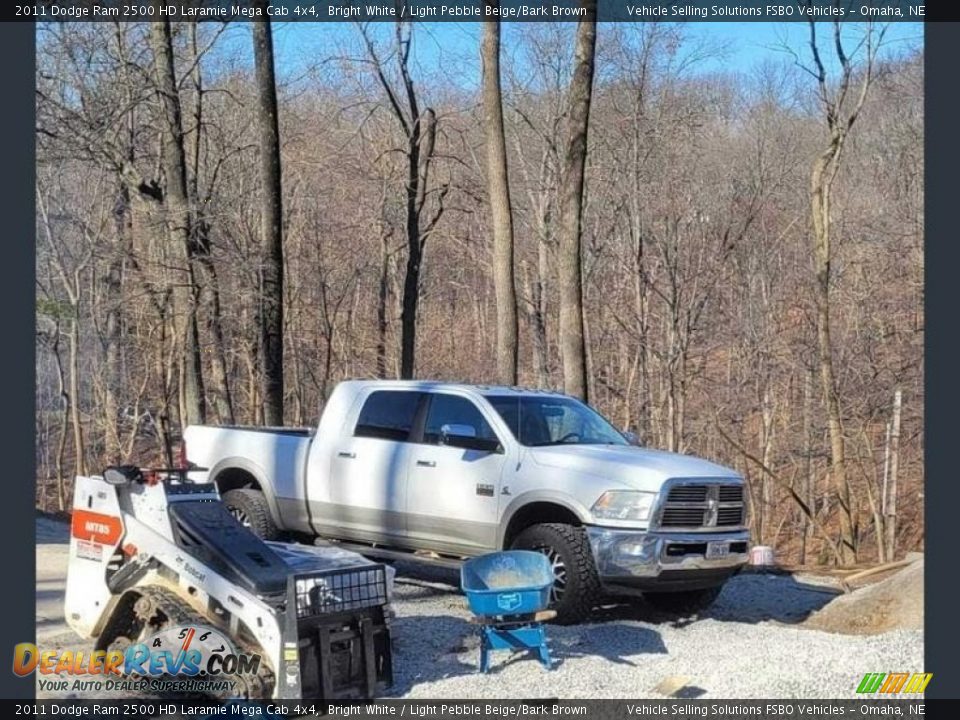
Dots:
pixel 88 599
pixel 131 527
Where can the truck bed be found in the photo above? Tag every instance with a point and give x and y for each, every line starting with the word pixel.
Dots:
pixel 274 430
pixel 269 458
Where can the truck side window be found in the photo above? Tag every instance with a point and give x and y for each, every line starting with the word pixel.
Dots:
pixel 541 420
pixel 454 410
pixel 522 417
pixel 388 415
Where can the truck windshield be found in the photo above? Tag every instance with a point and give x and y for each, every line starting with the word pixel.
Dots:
pixel 552 420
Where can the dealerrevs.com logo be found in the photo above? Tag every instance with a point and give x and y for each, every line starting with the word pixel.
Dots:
pixel 898 683
pixel 181 658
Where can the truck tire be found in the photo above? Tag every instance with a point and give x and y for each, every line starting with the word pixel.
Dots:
pixel 251 509
pixel 577 585
pixel 683 604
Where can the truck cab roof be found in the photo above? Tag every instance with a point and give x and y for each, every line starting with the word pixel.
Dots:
pixel 440 385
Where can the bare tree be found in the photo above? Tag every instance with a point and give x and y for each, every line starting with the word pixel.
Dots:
pixel 572 339
pixel 219 385
pixel 892 471
pixel 420 130
pixel 840 104
pixel 538 106
pixel 179 224
pixel 501 213
pixel 71 276
pixel 271 313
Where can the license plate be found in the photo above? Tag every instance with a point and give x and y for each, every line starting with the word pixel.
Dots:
pixel 717 550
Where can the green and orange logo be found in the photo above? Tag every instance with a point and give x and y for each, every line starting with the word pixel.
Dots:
pixel 901 683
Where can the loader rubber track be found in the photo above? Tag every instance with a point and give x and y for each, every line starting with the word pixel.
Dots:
pixel 159 608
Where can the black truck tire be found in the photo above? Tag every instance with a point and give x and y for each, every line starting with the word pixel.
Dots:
pixel 687 603
pixel 577 585
pixel 251 509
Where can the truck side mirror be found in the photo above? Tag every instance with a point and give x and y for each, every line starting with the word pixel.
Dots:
pixel 456 430
pixel 631 437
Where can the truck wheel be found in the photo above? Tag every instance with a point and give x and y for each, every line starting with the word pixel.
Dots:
pixel 576 585
pixel 251 509
pixel 683 604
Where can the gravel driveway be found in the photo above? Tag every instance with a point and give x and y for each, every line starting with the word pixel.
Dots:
pixel 747 646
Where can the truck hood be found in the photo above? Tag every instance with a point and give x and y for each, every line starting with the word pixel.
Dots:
pixel 636 467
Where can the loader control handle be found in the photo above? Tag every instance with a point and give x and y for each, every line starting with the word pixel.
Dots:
pixel 127 474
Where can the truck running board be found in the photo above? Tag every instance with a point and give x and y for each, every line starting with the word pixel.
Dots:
pixel 381 553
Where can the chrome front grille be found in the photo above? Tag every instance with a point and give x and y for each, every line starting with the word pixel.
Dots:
pixel 688 493
pixel 682 517
pixel 702 506
pixel 731 494
pixel 727 517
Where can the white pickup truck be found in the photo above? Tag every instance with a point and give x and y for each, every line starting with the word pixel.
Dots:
pixel 452 471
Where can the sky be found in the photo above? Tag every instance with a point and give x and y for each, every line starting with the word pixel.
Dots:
pixel 452 48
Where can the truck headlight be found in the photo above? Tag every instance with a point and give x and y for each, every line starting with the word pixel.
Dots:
pixel 624 505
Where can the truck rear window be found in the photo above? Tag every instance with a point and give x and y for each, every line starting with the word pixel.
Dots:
pixel 388 415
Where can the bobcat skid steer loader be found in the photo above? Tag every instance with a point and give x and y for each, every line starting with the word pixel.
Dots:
pixel 166 581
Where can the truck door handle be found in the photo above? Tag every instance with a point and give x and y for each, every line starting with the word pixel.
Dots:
pixel 347 455
pixel 426 463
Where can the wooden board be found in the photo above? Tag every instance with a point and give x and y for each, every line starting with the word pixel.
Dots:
pixel 541 616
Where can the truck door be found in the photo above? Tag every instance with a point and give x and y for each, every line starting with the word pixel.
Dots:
pixel 368 471
pixel 453 481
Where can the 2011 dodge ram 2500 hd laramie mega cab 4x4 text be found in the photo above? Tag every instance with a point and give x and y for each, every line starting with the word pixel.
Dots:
pixel 461 470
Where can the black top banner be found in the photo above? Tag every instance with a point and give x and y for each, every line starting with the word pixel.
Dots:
pixel 882 11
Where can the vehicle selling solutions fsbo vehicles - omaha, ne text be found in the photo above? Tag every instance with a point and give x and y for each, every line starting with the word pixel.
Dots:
pixel 460 470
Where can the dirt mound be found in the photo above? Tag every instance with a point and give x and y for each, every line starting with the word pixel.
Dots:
pixel 891 604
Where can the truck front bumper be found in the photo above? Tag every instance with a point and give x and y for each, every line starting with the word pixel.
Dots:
pixel 640 560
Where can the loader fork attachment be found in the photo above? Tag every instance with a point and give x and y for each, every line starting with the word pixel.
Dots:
pixel 342 632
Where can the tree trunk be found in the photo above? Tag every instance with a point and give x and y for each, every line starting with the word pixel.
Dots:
pixel 271 315
pixel 570 268
pixel 501 213
pixel 808 476
pixel 824 170
pixel 383 293
pixel 222 396
pixel 891 507
pixel 534 288
pixel 880 513
pixel 644 393
pixel 537 278
pixel 113 327
pixel 75 421
pixel 178 222
pixel 221 377
pixel 411 279
pixel 419 153
pixel 540 338
pixel 64 419
pixel 768 417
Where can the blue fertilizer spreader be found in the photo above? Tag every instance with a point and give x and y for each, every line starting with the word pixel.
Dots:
pixel 508 593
